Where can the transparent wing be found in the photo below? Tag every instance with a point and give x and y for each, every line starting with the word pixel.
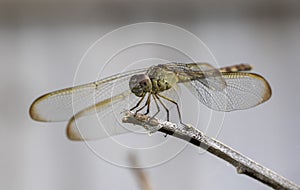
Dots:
pixel 86 125
pixel 101 119
pixel 62 104
pixel 242 91
pixel 208 75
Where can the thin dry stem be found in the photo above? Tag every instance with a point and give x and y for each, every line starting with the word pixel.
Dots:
pixel 243 164
pixel 141 175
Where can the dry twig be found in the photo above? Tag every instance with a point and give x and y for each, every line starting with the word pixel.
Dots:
pixel 243 164
pixel 141 175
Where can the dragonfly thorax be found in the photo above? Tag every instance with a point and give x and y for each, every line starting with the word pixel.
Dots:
pixel 142 84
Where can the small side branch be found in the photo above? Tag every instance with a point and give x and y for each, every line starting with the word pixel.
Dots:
pixel 141 175
pixel 190 134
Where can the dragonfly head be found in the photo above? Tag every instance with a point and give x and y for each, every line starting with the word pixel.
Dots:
pixel 140 84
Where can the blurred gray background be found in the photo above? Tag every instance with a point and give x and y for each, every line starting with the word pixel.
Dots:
pixel 42 42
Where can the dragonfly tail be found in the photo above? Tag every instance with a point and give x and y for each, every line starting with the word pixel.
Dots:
pixel 236 68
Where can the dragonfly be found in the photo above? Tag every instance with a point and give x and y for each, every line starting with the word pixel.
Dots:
pixel 225 89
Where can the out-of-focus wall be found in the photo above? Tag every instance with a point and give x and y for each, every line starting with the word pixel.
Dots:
pixel 42 42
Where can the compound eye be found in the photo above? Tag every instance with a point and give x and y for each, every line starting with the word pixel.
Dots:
pixel 139 84
pixel 143 83
pixel 136 80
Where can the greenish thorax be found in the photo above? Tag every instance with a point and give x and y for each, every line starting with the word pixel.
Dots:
pixel 161 79
pixel 156 80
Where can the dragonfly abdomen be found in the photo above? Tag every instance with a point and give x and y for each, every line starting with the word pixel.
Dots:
pixel 236 68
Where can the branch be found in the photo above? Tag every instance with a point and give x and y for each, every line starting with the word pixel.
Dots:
pixel 141 175
pixel 190 134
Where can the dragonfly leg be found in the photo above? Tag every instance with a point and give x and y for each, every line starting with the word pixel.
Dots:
pixel 167 110
pixel 144 106
pixel 174 102
pixel 138 104
pixel 157 106
pixel 158 110
pixel 148 104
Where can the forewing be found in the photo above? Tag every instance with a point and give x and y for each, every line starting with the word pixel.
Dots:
pixel 242 91
pixel 62 104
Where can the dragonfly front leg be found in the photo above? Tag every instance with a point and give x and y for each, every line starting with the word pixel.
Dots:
pixel 138 104
pixel 146 104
